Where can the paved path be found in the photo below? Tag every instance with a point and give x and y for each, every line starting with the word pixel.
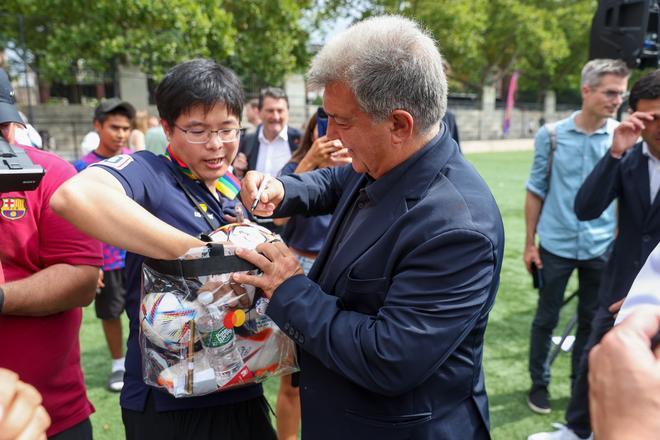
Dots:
pixel 497 145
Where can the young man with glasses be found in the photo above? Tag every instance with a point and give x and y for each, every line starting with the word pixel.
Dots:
pixel 564 156
pixel 139 203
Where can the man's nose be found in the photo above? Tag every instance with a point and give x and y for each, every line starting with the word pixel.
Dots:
pixel 214 142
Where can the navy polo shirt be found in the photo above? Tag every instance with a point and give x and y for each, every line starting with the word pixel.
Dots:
pixel 149 180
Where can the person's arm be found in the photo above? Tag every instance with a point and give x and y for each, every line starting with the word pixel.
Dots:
pixel 533 206
pixel 313 193
pixel 537 188
pixel 604 182
pixel 52 290
pixel 599 189
pixel 624 380
pixel 21 414
pixel 96 203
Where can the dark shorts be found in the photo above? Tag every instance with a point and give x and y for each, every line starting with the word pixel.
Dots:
pixel 247 420
pixel 110 300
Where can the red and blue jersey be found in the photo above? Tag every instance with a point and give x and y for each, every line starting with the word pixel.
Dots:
pixel 44 350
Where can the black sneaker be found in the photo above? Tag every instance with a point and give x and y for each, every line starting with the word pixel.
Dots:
pixel 538 399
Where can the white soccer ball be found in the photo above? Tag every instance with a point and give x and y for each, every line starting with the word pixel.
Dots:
pixel 244 235
pixel 165 319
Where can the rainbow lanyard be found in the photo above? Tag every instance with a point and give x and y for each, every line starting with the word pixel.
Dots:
pixel 228 185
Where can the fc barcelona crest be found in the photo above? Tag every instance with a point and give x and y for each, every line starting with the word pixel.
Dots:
pixel 13 208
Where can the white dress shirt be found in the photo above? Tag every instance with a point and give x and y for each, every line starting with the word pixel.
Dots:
pixel 654 171
pixel 273 155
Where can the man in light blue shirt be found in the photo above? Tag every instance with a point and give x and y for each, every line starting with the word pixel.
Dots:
pixel 565 243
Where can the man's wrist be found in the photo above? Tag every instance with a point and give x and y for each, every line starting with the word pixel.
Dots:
pixel 615 154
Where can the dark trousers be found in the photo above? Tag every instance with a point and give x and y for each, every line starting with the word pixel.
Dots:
pixel 81 431
pixel 577 413
pixel 247 420
pixel 556 272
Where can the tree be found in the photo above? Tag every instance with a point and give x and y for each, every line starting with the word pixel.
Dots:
pixel 484 41
pixel 154 36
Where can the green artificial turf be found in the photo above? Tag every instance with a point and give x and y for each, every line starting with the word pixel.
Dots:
pixel 507 336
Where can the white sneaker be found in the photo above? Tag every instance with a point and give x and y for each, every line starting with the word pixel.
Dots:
pixel 562 433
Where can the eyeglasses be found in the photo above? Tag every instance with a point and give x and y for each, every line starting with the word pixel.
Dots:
pixel 613 94
pixel 197 136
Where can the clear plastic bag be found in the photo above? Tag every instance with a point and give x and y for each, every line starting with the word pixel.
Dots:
pixel 199 331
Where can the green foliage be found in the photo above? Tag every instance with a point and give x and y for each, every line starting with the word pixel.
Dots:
pixel 259 38
pixel 484 41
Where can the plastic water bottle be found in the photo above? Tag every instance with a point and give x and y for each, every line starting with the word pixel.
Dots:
pixel 220 345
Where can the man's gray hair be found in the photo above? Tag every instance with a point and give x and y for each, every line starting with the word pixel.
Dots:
pixel 388 63
pixel 595 69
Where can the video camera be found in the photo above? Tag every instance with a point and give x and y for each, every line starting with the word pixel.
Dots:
pixel 17 172
pixel 627 30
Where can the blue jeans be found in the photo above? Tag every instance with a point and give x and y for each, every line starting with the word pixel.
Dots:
pixel 556 272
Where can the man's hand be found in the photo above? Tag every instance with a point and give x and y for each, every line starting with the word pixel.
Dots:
pixel 275 260
pixel 615 307
pixel 531 255
pixel 627 133
pixel 624 380
pixel 240 165
pixel 270 197
pixel 21 414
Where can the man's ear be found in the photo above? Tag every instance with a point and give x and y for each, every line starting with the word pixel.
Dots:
pixel 98 126
pixel 402 125
pixel 166 128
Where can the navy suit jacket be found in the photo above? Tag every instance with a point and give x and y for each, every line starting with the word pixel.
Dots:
pixel 626 180
pixel 391 342
pixel 249 144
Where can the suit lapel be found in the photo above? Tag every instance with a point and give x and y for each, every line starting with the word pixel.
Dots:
pixel 252 150
pixel 364 235
pixel 412 185
pixel 639 173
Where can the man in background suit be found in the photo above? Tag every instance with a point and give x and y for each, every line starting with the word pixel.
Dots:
pixel 270 147
pixel 629 173
pixel 391 320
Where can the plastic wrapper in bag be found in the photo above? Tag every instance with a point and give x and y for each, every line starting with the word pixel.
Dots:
pixel 202 333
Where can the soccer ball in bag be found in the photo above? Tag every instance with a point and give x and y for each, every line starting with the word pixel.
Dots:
pixel 244 235
pixel 165 319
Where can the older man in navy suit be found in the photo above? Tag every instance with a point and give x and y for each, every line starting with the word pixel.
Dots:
pixel 630 174
pixel 390 322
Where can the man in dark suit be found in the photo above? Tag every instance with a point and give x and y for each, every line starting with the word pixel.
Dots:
pixel 630 173
pixel 390 322
pixel 270 147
